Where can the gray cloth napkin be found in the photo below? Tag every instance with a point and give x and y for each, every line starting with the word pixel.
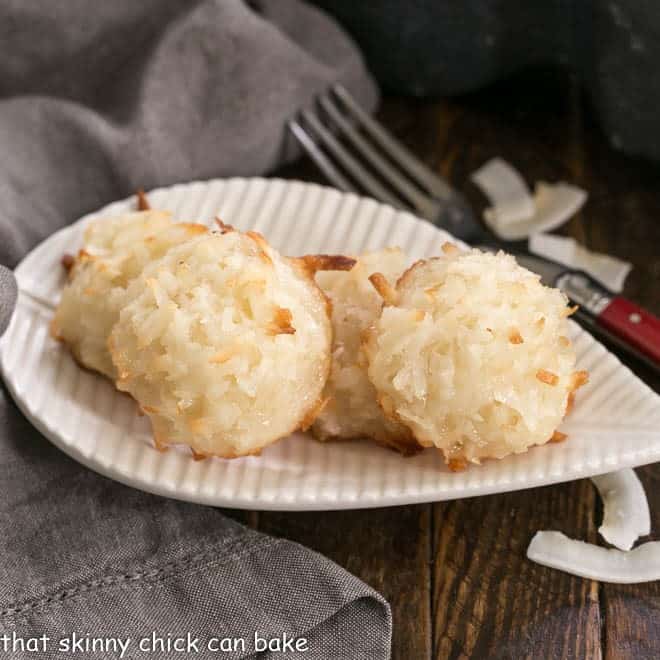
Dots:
pixel 96 100
pixel 99 99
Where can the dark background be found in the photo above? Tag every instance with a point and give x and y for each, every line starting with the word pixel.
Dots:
pixel 432 48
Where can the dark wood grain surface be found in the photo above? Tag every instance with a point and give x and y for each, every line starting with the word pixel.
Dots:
pixel 455 573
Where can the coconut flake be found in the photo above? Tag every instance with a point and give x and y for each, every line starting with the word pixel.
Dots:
pixel 608 270
pixel 555 550
pixel 626 514
pixel 515 213
pixel 554 203
pixel 507 192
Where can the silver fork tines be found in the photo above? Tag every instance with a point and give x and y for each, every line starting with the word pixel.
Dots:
pixel 393 148
pixel 355 152
pixel 346 160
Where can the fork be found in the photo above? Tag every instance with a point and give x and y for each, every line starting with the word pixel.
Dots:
pixel 378 164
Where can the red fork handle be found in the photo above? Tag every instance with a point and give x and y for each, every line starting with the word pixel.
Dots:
pixel 634 325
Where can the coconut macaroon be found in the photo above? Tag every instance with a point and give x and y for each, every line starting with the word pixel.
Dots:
pixel 471 352
pixel 115 252
pixel 352 410
pixel 225 344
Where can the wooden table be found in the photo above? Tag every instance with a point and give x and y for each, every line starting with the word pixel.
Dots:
pixel 455 573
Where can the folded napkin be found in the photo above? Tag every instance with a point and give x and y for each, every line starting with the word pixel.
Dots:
pixel 94 102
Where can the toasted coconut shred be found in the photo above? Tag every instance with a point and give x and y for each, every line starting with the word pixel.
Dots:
pixel 228 341
pixel 142 201
pixel 114 253
pixel 472 356
pixel 326 262
pixel 352 409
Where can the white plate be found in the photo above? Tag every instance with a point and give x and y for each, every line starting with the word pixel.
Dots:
pixel 615 423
